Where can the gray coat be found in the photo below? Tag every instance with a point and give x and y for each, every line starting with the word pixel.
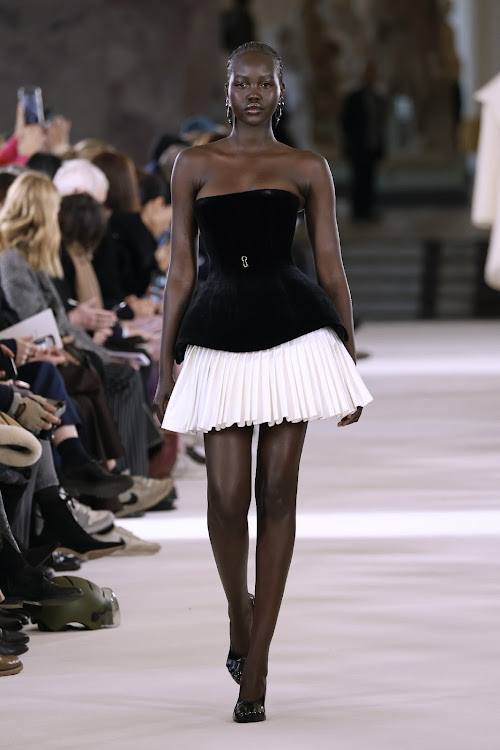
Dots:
pixel 28 292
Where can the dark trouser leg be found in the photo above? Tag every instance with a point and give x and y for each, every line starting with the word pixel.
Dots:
pixel 124 392
pixel 100 433
pixel 17 490
pixel 6 535
pixel 228 456
pixel 278 457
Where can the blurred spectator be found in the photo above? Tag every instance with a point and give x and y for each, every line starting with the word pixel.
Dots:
pixel 486 195
pixel 46 163
pixel 7 177
pixel 83 224
pixel 237 26
pixel 30 232
pixel 88 148
pixel 51 138
pixel 156 215
pixel 81 176
pixel 363 121
pixel 159 146
pixel 198 125
pixel 125 258
pixel 123 191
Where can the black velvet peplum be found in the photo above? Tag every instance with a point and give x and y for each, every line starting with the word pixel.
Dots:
pixel 255 297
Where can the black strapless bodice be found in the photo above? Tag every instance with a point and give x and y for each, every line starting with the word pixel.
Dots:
pixel 255 297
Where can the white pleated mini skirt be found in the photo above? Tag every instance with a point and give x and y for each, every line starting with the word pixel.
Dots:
pixel 310 377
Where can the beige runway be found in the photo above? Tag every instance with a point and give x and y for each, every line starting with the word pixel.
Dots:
pixel 389 632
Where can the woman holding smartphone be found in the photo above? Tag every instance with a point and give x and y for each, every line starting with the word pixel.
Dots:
pixel 261 343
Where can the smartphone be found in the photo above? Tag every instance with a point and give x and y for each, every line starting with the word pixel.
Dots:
pixel 59 404
pixel 60 409
pixel 8 365
pixel 31 99
pixel 45 341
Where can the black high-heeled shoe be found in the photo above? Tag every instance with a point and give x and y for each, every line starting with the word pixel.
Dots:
pixel 235 662
pixel 248 712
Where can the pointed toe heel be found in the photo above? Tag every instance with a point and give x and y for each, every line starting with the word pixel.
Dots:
pixel 235 662
pixel 249 712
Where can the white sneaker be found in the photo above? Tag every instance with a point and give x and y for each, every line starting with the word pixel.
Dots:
pixel 144 494
pixel 92 521
pixel 134 545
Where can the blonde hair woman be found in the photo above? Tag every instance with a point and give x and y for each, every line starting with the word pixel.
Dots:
pixel 29 222
pixel 30 237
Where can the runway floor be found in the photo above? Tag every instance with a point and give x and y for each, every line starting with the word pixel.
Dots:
pixel 389 633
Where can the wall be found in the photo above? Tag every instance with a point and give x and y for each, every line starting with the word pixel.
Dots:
pixel 123 70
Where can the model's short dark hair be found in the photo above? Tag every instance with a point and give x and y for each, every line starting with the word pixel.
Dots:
pixel 82 220
pixel 256 47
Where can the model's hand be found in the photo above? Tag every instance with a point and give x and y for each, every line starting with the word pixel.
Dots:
pixel 162 395
pixel 351 418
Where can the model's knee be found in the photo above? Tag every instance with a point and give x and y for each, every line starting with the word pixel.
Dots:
pixel 276 500
pixel 227 507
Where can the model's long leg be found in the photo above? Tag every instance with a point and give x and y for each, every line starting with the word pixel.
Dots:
pixel 278 457
pixel 229 459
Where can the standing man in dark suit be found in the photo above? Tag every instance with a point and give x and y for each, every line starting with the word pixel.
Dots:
pixel 363 124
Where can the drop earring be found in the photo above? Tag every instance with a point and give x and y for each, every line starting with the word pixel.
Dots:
pixel 229 113
pixel 279 111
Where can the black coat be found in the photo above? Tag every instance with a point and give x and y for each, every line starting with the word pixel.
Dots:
pixel 355 120
pixel 125 259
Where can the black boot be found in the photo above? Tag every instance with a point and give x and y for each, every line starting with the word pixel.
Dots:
pixel 22 584
pixel 60 527
pixel 31 586
pixel 11 647
pixel 12 622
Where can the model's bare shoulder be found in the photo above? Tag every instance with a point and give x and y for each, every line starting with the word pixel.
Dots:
pixel 190 167
pixel 190 159
pixel 312 163
pixel 312 170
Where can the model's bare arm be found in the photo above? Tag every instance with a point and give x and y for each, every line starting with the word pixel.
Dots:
pixel 324 235
pixel 182 273
pixel 323 232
